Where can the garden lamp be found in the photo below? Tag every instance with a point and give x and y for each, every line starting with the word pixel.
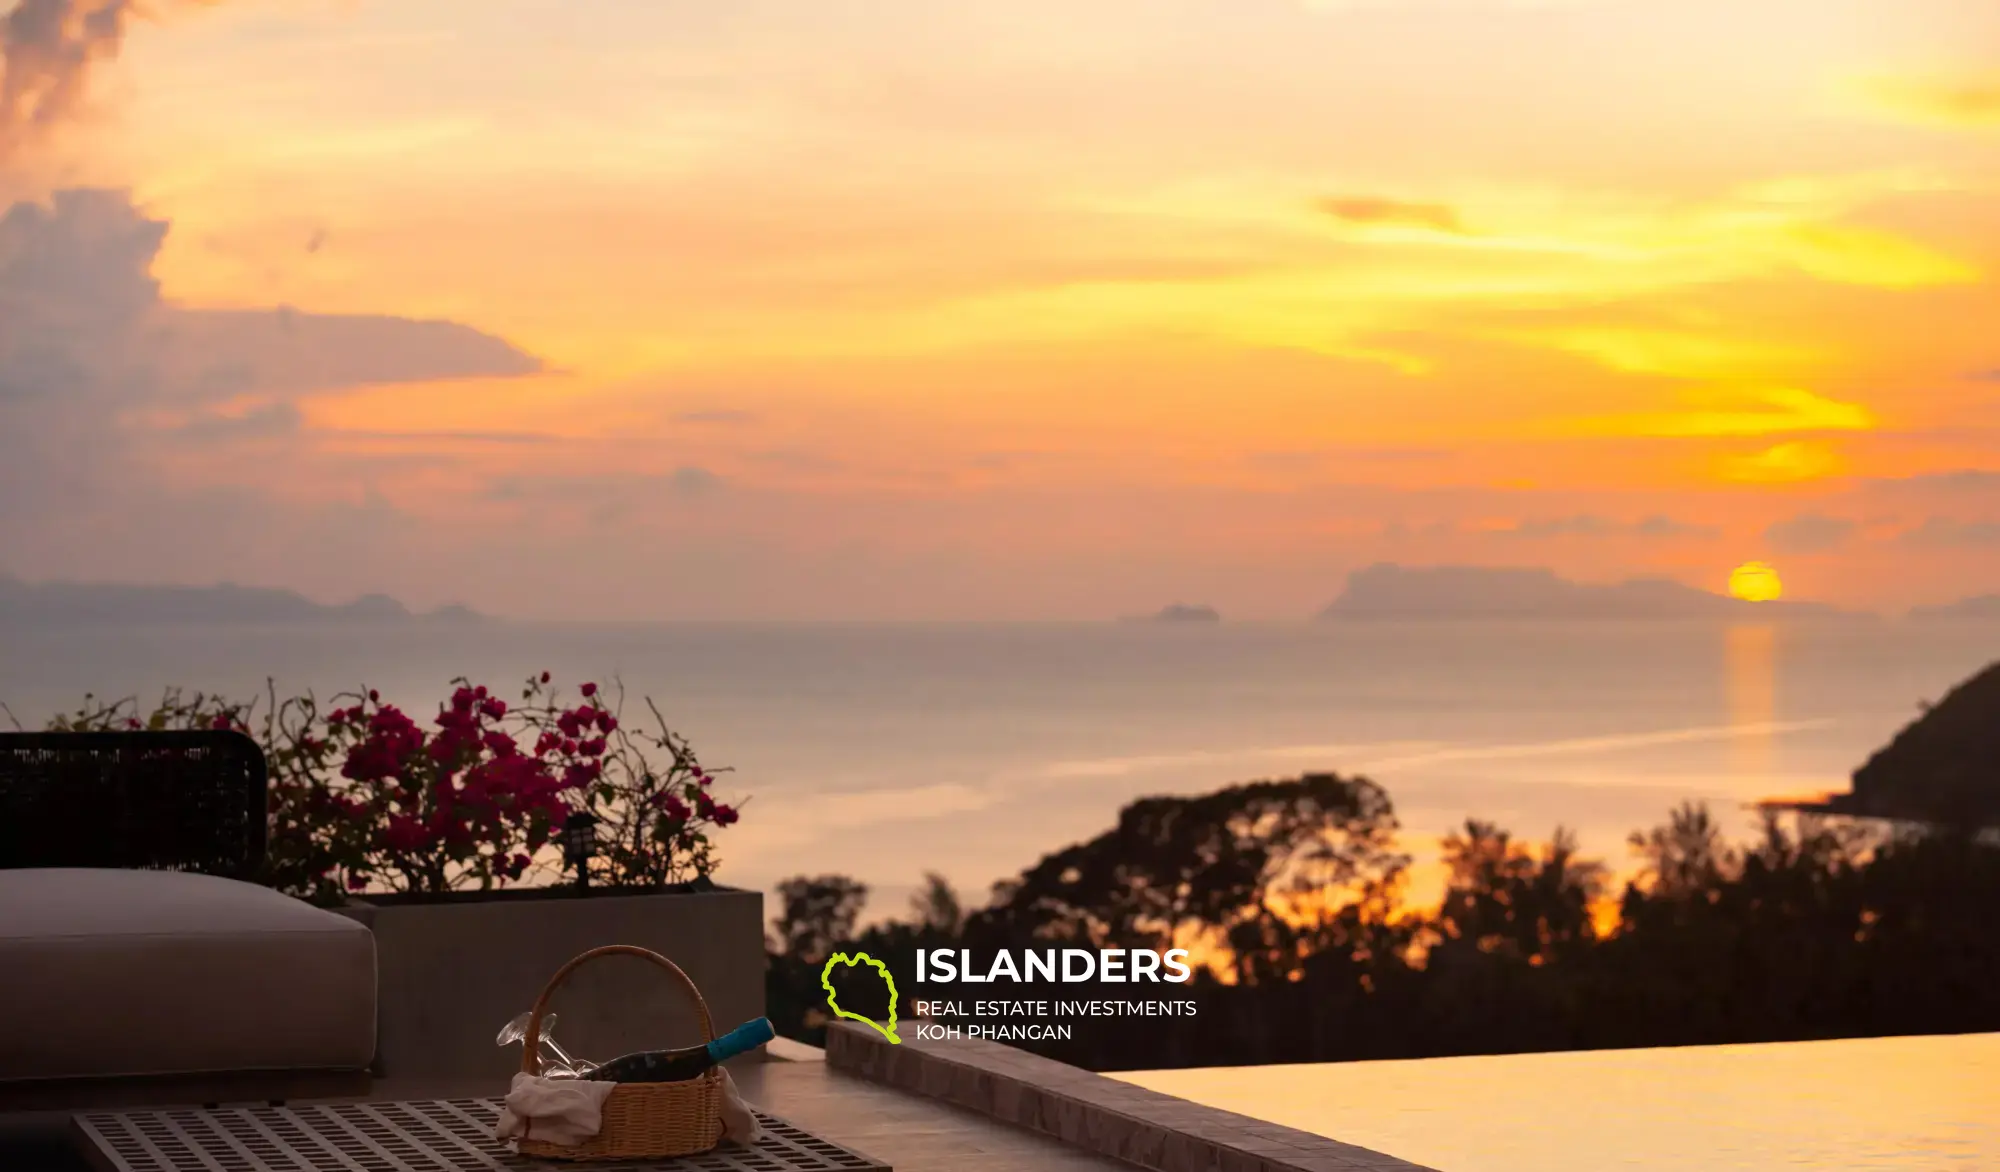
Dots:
pixel 579 835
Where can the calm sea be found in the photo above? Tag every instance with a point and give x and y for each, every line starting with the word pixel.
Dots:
pixel 1868 1105
pixel 886 751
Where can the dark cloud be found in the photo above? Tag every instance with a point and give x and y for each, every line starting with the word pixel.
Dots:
pixel 83 318
pixel 271 419
pixel 599 492
pixel 1946 532
pixel 693 481
pixel 1809 533
pixel 1398 213
pixel 47 50
pixel 1591 525
pixel 798 460
pixel 1972 480
pixel 1659 526
pixel 100 378
pixel 429 439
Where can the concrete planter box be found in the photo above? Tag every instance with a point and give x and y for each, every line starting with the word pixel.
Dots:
pixel 452 972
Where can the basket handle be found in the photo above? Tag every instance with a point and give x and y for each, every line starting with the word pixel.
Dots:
pixel 531 1046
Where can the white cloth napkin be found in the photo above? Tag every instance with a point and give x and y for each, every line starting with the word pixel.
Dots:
pixel 568 1111
pixel 563 1111
pixel 739 1123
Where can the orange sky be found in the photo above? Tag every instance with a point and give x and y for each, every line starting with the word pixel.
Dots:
pixel 1032 309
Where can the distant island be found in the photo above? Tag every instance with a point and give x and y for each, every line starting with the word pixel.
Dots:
pixel 1181 612
pixel 1388 591
pixel 1984 606
pixel 94 603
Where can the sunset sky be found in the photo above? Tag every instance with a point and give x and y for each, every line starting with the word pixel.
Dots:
pixel 972 309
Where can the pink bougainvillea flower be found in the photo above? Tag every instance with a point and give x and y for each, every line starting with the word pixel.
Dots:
pixel 588 690
pixel 403 833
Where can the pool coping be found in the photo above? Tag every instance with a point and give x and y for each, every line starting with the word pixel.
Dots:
pixel 1141 1127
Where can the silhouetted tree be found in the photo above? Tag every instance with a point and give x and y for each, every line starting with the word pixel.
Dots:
pixel 937 908
pixel 817 915
pixel 1239 866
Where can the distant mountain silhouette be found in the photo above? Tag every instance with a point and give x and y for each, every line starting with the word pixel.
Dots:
pixel 1181 612
pixel 1984 606
pixel 1944 767
pixel 84 604
pixel 1481 592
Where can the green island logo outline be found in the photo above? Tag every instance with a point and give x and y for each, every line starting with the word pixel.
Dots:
pixel 826 982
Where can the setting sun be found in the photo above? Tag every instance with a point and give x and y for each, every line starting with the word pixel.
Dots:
pixel 1755 582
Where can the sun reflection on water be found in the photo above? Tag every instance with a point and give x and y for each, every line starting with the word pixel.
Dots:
pixel 1750 658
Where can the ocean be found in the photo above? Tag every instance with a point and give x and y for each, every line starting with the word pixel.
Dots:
pixel 885 751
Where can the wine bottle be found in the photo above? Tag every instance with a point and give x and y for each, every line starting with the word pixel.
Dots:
pixel 686 1063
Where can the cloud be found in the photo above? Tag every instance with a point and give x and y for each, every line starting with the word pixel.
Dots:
pixel 1372 211
pixel 1949 533
pixel 1447 5
pixel 1986 376
pixel 100 378
pixel 1959 480
pixel 84 319
pixel 212 354
pixel 1963 102
pixel 1861 256
pixel 1789 462
pixel 1304 461
pixel 716 416
pixel 260 422
pixel 1591 525
pixel 1809 533
pixel 693 481
pixel 603 494
pixel 1668 527
pixel 47 50
pixel 1780 410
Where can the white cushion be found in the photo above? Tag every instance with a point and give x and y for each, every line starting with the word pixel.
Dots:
pixel 127 973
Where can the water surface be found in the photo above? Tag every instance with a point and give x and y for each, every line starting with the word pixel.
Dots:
pixel 1869 1105
pixel 881 751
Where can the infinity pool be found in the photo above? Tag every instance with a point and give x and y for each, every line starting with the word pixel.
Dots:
pixel 1890 1104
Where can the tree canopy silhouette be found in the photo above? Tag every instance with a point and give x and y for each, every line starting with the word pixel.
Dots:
pixel 1815 927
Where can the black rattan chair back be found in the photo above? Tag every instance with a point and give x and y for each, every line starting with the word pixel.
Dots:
pixel 183 801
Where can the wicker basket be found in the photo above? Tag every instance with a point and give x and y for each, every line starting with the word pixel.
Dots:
pixel 642 1120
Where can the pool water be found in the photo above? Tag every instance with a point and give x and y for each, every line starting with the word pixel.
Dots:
pixel 1900 1104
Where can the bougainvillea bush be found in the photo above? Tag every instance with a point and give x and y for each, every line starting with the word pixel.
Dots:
pixel 365 798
